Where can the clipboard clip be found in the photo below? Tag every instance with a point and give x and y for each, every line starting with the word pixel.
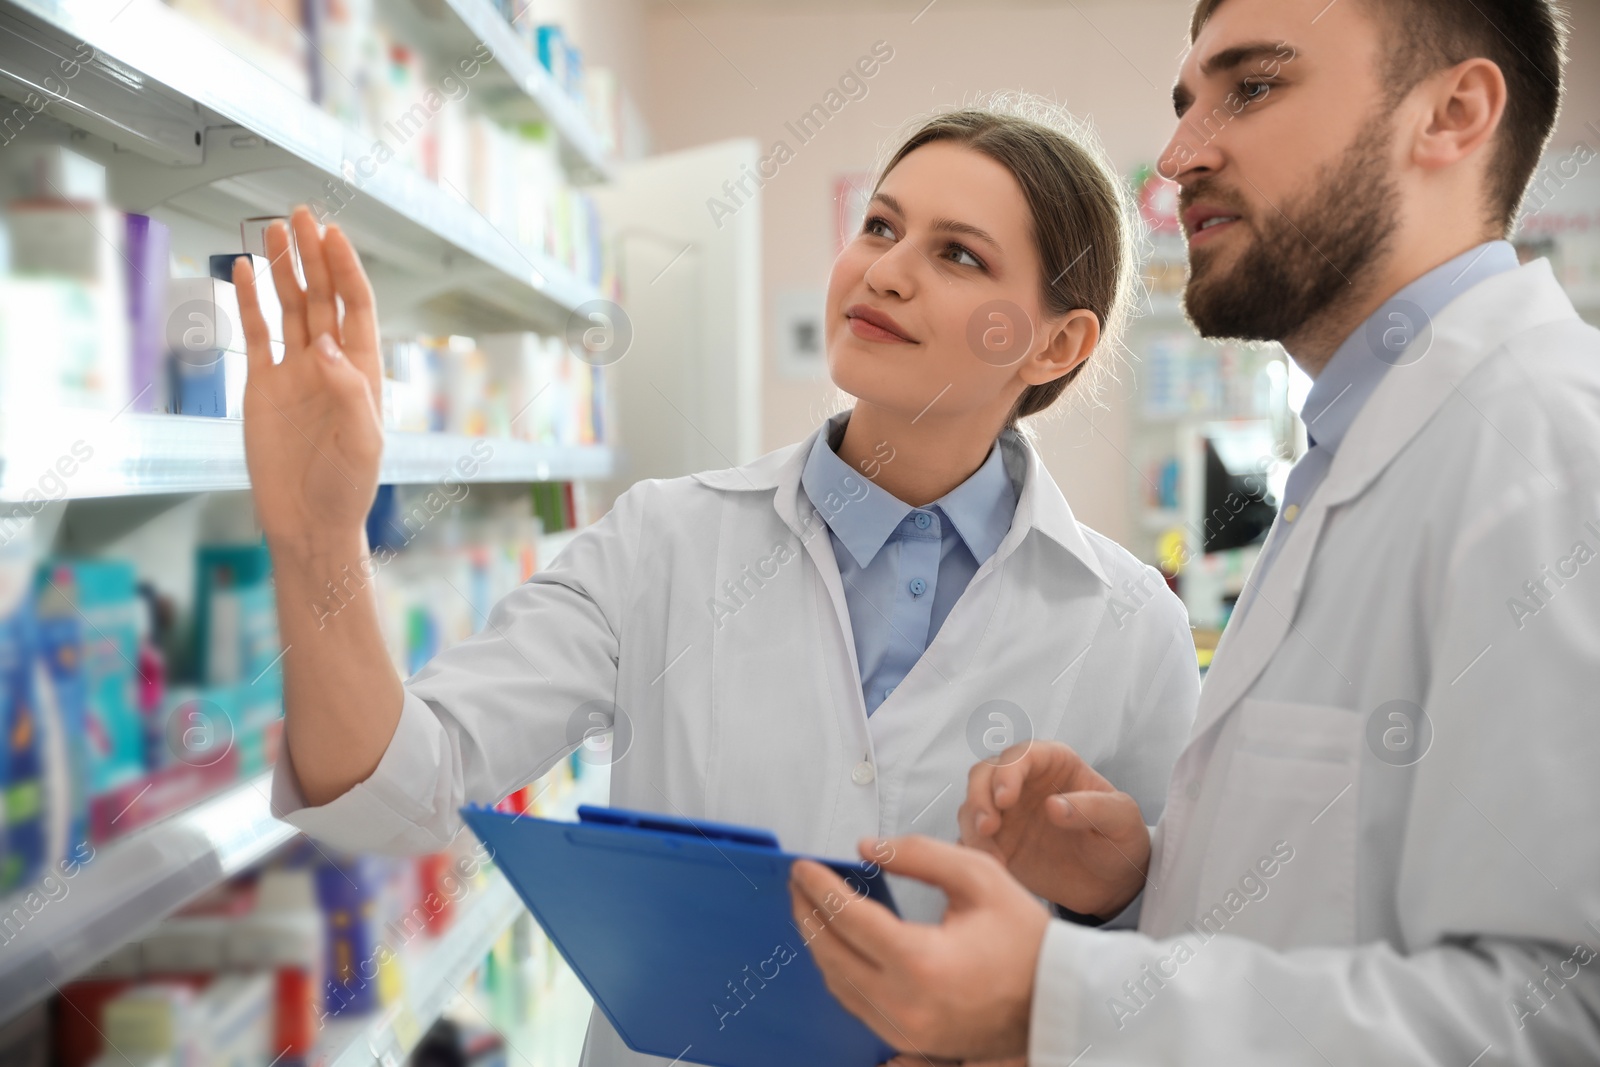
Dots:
pixel 657 823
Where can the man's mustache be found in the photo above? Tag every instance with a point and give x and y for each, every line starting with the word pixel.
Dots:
pixel 1212 192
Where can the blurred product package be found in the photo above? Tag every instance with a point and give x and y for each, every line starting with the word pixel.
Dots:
pixel 85 284
pixel 205 338
pixel 522 386
pixel 67 290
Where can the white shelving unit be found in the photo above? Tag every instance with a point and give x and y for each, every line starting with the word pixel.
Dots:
pixel 220 140
pixel 135 454
pixel 185 126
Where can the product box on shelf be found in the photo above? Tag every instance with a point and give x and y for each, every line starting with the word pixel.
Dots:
pixel 234 627
pixel 65 703
pixel 62 316
pixel 149 250
pixel 82 241
pixel 272 35
pixel 23 834
pixel 206 345
pixel 103 594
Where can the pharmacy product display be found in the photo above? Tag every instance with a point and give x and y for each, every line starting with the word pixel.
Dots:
pixel 151 909
pixel 101 289
pixel 345 56
pixel 304 959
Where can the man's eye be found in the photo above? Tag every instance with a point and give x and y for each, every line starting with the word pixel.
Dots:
pixel 1254 90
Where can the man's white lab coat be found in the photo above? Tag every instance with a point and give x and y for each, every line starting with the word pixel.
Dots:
pixel 1382 843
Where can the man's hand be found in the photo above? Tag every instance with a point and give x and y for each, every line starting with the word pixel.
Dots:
pixel 959 990
pixel 1063 830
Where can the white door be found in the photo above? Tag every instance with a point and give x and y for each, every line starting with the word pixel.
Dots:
pixel 686 395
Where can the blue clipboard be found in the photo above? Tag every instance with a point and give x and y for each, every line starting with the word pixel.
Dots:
pixel 684 935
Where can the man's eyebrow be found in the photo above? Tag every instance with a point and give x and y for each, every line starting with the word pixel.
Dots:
pixel 1240 54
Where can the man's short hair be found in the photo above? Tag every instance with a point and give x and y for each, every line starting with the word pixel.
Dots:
pixel 1526 39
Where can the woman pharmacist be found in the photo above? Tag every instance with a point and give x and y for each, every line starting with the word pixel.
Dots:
pixel 817 642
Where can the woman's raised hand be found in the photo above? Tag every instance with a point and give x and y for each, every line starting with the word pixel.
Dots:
pixel 313 426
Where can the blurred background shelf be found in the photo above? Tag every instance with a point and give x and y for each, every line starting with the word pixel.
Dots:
pixel 220 140
pixel 129 884
pixel 437 972
pixel 134 454
pixel 520 88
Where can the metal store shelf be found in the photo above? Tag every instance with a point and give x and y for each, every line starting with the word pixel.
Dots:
pixel 135 454
pixel 129 885
pixel 132 883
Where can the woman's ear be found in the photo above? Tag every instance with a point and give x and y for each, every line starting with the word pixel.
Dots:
pixel 1069 342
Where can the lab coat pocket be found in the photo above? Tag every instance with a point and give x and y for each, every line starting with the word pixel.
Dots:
pixel 1280 864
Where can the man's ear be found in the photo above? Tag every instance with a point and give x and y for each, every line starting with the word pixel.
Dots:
pixel 1466 104
pixel 1071 339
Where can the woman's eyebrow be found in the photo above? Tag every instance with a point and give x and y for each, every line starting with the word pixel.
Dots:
pixel 966 229
pixel 942 225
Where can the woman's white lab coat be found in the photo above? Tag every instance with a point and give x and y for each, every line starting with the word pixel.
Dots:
pixel 1335 880
pixel 709 612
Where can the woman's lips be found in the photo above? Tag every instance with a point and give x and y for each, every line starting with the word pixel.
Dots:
pixel 870 324
pixel 869 332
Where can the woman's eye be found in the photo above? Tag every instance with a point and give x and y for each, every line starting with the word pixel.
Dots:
pixel 964 257
pixel 877 227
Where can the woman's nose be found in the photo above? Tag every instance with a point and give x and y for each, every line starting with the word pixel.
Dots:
pixel 894 271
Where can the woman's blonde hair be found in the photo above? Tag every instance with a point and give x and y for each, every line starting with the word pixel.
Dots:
pixel 1084 225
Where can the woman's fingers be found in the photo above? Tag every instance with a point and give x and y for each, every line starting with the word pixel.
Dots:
pixel 290 295
pixel 360 328
pixel 257 338
pixel 322 313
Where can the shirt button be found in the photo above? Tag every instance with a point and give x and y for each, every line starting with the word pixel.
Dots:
pixel 923 520
pixel 862 773
pixel 918 587
pixel 1193 792
pixel 1291 513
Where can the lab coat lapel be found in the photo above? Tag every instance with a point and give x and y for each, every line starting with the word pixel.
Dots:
pixel 1472 326
pixel 1248 645
pixel 780 472
pixel 1462 335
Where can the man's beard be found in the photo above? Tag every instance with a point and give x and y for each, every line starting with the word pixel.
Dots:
pixel 1304 259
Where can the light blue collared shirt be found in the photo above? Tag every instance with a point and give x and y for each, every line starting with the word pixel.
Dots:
pixel 1351 376
pixel 904 568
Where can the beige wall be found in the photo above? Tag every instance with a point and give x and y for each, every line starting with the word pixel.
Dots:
pixel 720 69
